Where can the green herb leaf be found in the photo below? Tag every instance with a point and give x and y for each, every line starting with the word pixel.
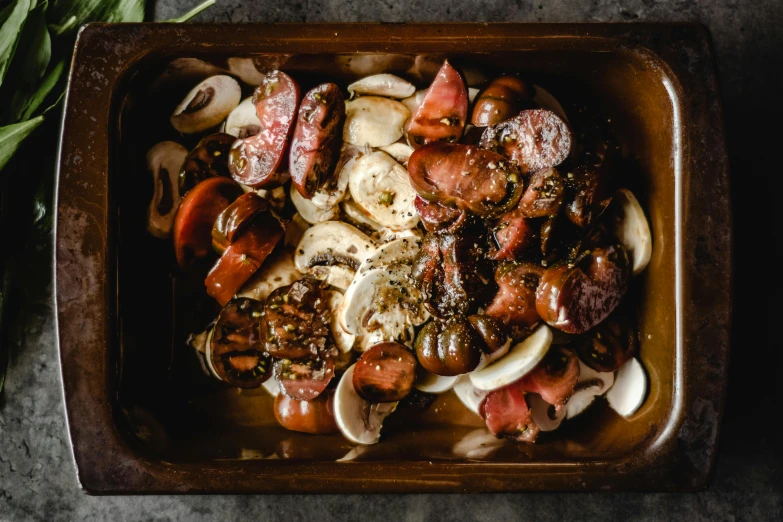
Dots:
pixel 12 18
pixel 62 12
pixel 31 60
pixel 12 136
pixel 192 13
pixel 46 86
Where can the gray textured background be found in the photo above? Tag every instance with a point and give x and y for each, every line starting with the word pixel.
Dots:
pixel 37 479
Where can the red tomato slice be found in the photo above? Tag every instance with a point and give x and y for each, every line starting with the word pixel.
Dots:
pixel 315 145
pixel 555 376
pixel 513 234
pixel 257 161
pixel 507 415
pixel 243 257
pixel 443 110
pixel 315 416
pixel 197 214
pixel 304 380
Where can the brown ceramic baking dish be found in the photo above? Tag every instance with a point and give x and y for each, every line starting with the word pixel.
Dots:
pixel 140 422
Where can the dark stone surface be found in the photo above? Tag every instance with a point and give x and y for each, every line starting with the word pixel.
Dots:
pixel 37 479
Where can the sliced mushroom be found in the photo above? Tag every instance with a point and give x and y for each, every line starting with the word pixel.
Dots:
pixel 413 102
pixel 590 385
pixel 477 444
pixel 472 93
pixel 470 396
pixel 382 300
pixel 245 69
pixel 359 421
pixel 295 230
pixel 164 161
pixel 545 415
pixel 381 188
pixel 632 229
pixel 183 72
pixel 519 360
pixel 334 191
pixel 382 85
pixel 278 270
pixel 398 252
pixel 356 215
pixel 309 211
pixel 629 391
pixel 374 121
pixel 207 104
pixel 398 333
pixel 337 276
pixel 243 120
pixel 271 387
pixel 431 383
pixel 199 341
pixel 342 339
pixel 332 243
pixel 387 235
pixel 374 63
pixel 399 150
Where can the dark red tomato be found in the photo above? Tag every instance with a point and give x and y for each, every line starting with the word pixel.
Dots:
pixel 315 146
pixel 534 139
pixel 236 352
pixel 314 416
pixel 490 332
pixel 555 376
pixel 230 224
pixel 443 110
pixel 385 373
pixel 609 345
pixel 501 100
pixel 207 160
pixel 304 380
pixel 514 305
pixel 245 255
pixel 197 214
pixel 466 177
pixel 435 216
pixel 589 188
pixel 450 347
pixel 513 234
pixel 576 297
pixel 258 161
pixel 296 321
pixel 544 194
pixel 507 415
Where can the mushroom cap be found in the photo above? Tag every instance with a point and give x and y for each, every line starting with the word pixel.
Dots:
pixel 207 104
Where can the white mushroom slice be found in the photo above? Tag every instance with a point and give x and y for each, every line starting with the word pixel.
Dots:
pixel 342 339
pixel 431 383
pixel 243 120
pixel 545 415
pixel 470 396
pixel 519 360
pixel 359 421
pixel 332 243
pixel 338 276
pixel 164 161
pixel 366 64
pixel 627 394
pixel 545 100
pixel 199 341
pixel 387 235
pixel 477 444
pixel 486 360
pixel 295 230
pixel 413 102
pixel 358 217
pixel 278 270
pixel 271 386
pixel 472 93
pixel 207 104
pixel 208 355
pixel 382 85
pixel 399 251
pixel 245 69
pixel 333 192
pixel 384 299
pixel 589 385
pixel 632 229
pixel 381 188
pixel 398 150
pixel 401 333
pixel 374 121
pixel 183 72
pixel 309 211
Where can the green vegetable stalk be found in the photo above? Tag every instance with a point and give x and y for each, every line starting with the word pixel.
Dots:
pixel 36 44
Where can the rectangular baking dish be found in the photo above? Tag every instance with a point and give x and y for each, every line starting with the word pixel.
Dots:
pixel 137 423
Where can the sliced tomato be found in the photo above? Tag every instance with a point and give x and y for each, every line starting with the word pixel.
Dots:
pixel 507 415
pixel 513 234
pixel 303 380
pixel 435 216
pixel 514 305
pixel 243 257
pixel 208 159
pixel 501 100
pixel 466 177
pixel 609 345
pixel 443 110
pixel 314 416
pixel 385 373
pixel 315 146
pixel 197 214
pixel 259 161
pixel 544 194
pixel 555 376
pixel 236 352
pixel 235 219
